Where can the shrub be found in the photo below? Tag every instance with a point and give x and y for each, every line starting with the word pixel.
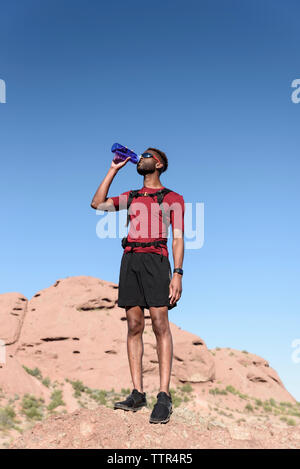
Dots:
pixel 7 418
pixel 267 408
pixel 217 391
pixel 175 399
pixel 35 372
pixel 249 407
pixel 285 404
pixel 187 388
pixel 56 400
pixel 78 387
pixel 46 382
pixel 99 395
pixel 231 389
pixel 32 407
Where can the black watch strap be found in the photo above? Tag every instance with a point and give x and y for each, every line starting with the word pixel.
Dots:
pixel 178 270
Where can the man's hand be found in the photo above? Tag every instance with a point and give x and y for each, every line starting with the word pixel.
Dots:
pixel 175 288
pixel 117 166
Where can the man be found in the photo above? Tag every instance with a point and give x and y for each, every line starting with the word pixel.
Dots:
pixel 145 279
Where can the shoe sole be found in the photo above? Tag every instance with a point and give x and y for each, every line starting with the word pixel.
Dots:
pixel 132 409
pixel 161 421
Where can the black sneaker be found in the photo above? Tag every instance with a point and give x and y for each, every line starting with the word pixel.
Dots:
pixel 162 409
pixel 135 401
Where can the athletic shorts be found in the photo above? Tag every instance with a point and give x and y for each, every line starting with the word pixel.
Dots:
pixel 144 280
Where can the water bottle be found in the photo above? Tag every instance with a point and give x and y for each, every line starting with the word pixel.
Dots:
pixel 122 153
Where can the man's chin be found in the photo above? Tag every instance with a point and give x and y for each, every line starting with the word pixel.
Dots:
pixel 143 172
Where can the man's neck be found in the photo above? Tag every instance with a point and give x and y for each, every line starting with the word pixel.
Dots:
pixel 152 182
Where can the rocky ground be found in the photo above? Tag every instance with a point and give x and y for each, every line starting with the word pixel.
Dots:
pixel 66 364
pixel 107 428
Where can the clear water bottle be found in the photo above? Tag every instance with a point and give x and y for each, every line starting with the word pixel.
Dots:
pixel 122 153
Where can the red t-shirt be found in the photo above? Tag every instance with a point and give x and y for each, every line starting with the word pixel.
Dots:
pixel 146 221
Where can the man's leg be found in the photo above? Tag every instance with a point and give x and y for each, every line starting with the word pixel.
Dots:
pixel 161 328
pixel 135 346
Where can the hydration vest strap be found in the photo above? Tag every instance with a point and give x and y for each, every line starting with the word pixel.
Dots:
pixel 132 195
pixel 134 244
pixel 160 197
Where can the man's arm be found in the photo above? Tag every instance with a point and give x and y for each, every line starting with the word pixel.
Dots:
pixel 100 200
pixel 178 249
pixel 178 255
pixel 177 222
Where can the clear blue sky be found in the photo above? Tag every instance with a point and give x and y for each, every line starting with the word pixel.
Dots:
pixel 208 82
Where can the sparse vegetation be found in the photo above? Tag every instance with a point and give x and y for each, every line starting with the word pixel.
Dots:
pixel 295 413
pixel 221 412
pixel 35 372
pixel 236 392
pixel 100 396
pixel 241 420
pixel 290 422
pixel 56 400
pixel 216 391
pixel 46 382
pixel 32 407
pixel 231 389
pixel 177 400
pixel 35 409
pixel 7 418
pixel 286 404
pixel 267 407
pixel 186 388
pixel 78 387
pixel 249 407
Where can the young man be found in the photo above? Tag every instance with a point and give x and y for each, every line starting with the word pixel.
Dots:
pixel 145 279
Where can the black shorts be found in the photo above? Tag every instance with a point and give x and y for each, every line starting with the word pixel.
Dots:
pixel 144 280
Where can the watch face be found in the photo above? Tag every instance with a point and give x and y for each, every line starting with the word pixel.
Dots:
pixel 178 270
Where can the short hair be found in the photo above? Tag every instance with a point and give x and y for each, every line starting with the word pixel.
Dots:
pixel 163 158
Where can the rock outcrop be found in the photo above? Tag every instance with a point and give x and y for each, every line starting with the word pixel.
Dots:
pixel 67 346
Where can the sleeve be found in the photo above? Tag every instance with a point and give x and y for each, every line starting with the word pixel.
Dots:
pixel 120 201
pixel 177 213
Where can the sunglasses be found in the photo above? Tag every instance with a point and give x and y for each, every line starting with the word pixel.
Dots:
pixel 149 155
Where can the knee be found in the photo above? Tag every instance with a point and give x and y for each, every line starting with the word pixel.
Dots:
pixel 135 327
pixel 160 327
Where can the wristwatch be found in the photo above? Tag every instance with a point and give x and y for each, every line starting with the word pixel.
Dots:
pixel 178 270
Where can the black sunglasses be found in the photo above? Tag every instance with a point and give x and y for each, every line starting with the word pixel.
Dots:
pixel 149 155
